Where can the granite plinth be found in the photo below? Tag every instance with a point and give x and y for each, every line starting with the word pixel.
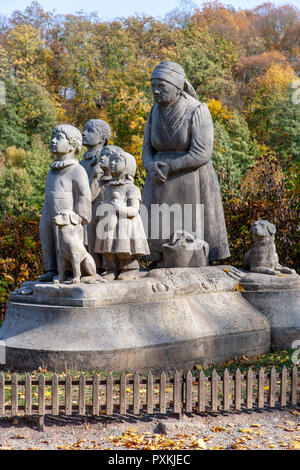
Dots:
pixel 278 299
pixel 171 317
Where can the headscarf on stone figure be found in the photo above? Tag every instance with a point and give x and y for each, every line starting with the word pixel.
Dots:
pixel 174 74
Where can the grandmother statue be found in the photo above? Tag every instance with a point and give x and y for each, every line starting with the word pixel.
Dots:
pixel 177 152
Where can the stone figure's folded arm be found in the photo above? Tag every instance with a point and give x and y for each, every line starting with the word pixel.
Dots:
pixel 202 141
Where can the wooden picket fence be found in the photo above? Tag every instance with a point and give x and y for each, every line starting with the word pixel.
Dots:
pixel 136 394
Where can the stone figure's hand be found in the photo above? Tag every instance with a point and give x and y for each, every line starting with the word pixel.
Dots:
pixel 97 171
pixel 159 172
pixel 119 208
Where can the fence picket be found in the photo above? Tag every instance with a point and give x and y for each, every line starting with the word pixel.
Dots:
pixel 261 388
pixel 272 388
pixel 95 393
pixel 249 389
pixel 162 393
pixel 68 395
pixel 214 391
pixel 150 393
pixel 283 387
pixel 28 395
pixel 14 394
pixel 294 385
pixel 226 391
pixel 201 391
pixel 81 397
pixel 41 395
pixel 136 394
pixel 177 392
pixel 54 395
pixel 109 394
pixel 123 404
pixel 237 390
pixel 189 392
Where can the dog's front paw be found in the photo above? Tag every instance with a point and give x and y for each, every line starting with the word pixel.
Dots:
pixel 271 271
pixel 285 270
pixel 75 280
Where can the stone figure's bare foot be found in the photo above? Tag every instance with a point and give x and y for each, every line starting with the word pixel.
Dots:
pixel 129 275
pixel 109 275
pixel 48 276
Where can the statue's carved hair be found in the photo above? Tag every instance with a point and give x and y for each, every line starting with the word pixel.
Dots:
pixel 72 134
pixel 111 150
pixel 101 127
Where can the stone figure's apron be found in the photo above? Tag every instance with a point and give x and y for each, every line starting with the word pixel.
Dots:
pixel 186 214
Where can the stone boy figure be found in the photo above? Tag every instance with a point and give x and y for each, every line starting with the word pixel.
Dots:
pixel 120 235
pixel 96 134
pixel 101 177
pixel 67 189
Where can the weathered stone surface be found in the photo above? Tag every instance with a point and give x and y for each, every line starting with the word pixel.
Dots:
pixel 171 428
pixel 265 282
pixel 278 299
pixel 156 285
pixel 136 325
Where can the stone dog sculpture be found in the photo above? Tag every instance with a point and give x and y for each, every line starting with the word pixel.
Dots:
pixel 71 248
pixel 262 257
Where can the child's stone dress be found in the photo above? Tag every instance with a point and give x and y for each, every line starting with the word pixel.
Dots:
pixel 117 234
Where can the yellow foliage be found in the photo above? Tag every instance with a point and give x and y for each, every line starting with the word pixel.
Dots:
pixel 277 78
pixel 14 156
pixel 218 111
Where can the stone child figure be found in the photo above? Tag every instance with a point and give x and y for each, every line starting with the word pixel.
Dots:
pixel 67 189
pixel 120 232
pixel 96 134
pixel 101 177
pixel 262 257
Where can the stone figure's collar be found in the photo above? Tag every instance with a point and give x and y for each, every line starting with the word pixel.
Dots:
pixel 106 178
pixel 118 182
pixel 60 164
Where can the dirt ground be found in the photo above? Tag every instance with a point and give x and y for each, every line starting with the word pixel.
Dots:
pixel 276 429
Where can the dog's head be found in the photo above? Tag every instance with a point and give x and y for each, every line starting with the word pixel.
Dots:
pixel 263 229
pixel 66 218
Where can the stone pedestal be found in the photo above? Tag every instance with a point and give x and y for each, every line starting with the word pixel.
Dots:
pixel 170 317
pixel 278 298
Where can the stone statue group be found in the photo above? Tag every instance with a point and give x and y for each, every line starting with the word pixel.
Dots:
pixel 91 222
